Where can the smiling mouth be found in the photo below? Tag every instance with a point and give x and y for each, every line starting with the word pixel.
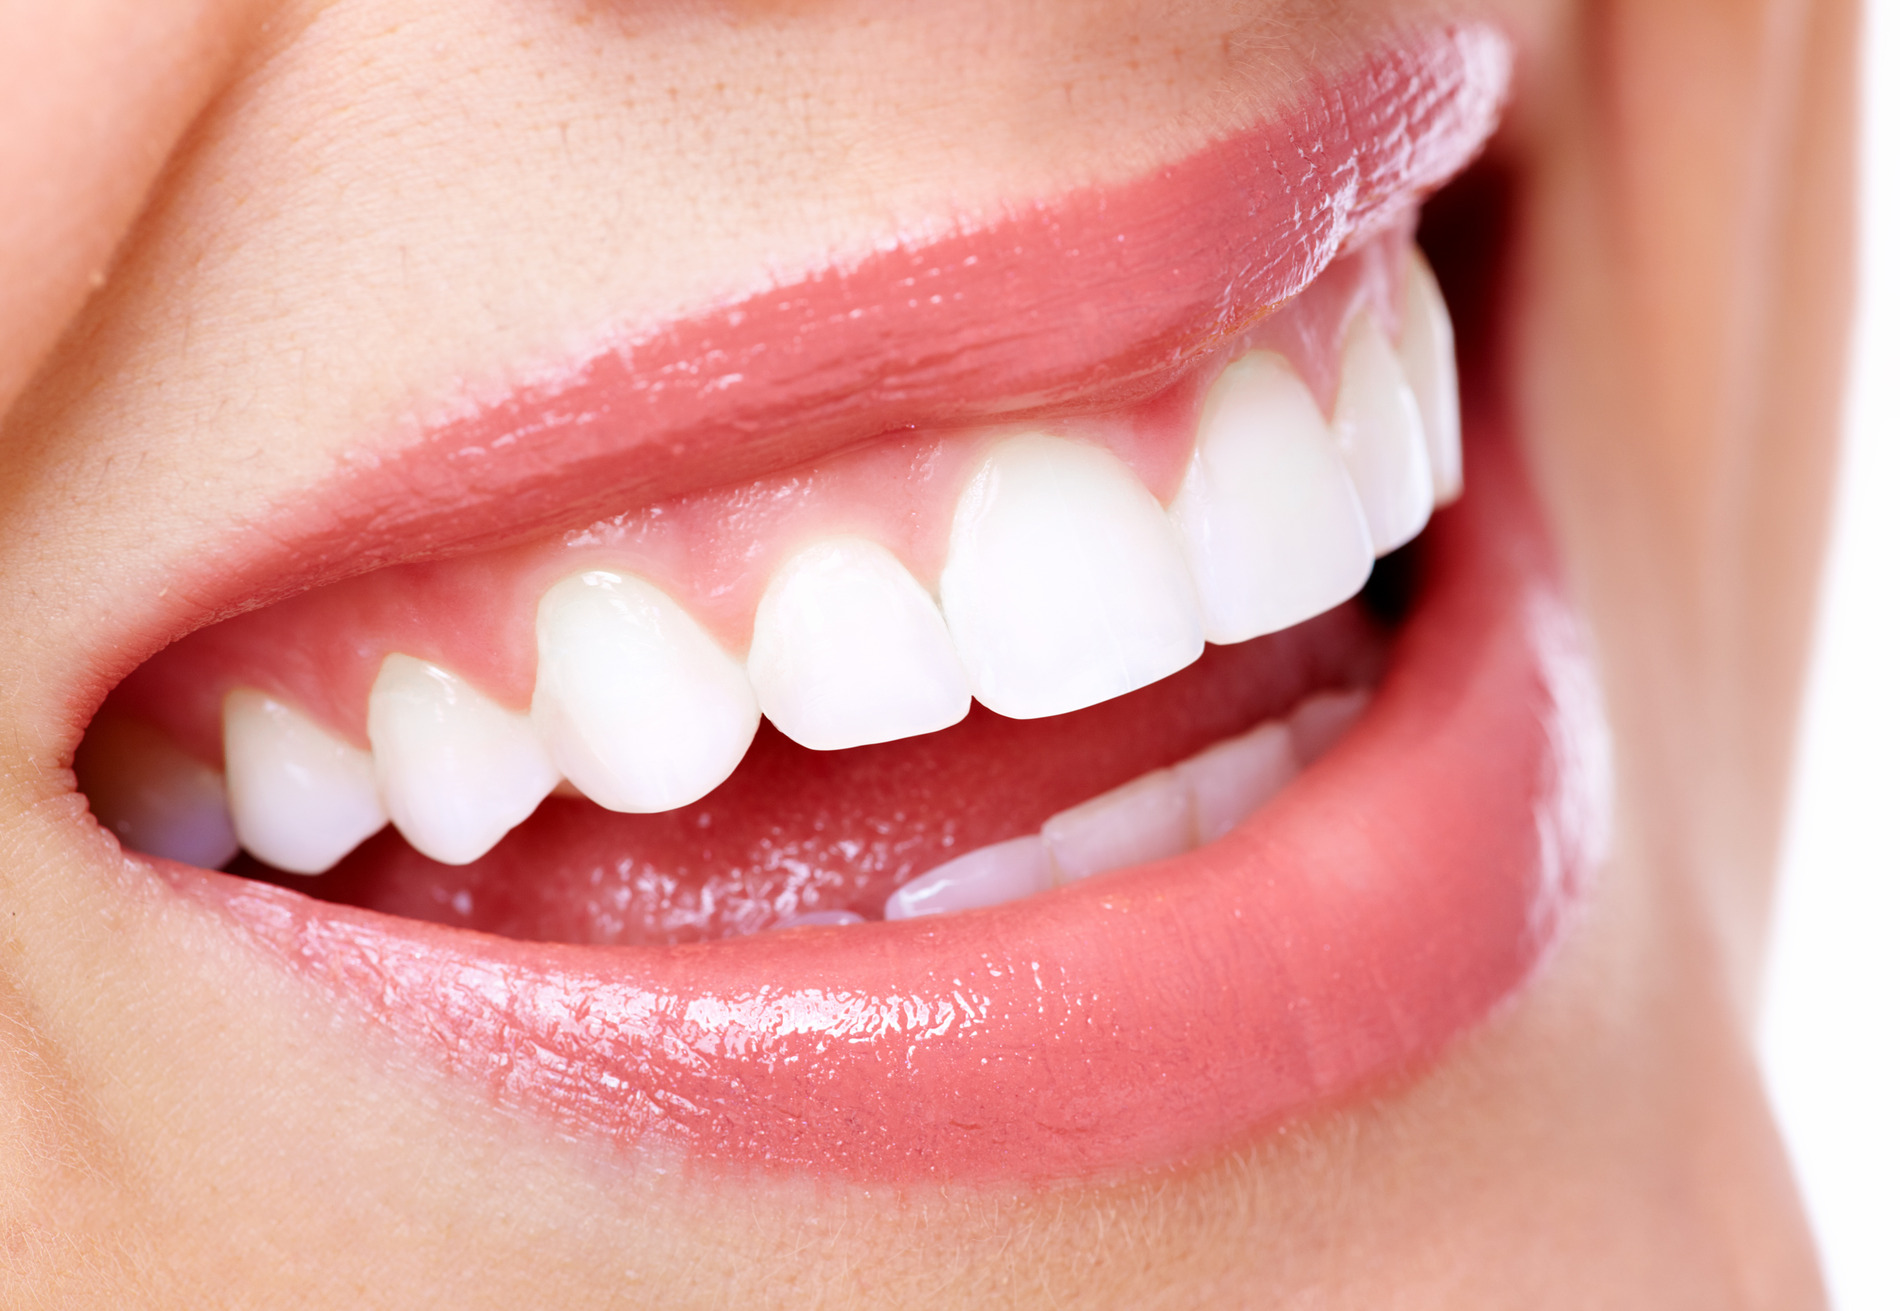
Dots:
pixel 1031 691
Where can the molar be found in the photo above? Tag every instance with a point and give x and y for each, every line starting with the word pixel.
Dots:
pixel 849 649
pixel 456 771
pixel 1376 420
pixel 1430 357
pixel 301 799
pixel 1064 584
pixel 1267 510
pixel 634 702
pixel 158 798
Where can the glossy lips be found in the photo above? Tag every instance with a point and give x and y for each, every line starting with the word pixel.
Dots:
pixel 1385 900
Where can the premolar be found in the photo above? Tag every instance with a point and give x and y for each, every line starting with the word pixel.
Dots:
pixel 1267 510
pixel 1064 584
pixel 848 649
pixel 635 703
pixel 301 799
pixel 456 770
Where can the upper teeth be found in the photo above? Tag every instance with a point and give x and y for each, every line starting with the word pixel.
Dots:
pixel 300 797
pixel 849 649
pixel 456 771
pixel 1064 583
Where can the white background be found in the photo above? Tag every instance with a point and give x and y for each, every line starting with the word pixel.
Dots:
pixel 1831 1027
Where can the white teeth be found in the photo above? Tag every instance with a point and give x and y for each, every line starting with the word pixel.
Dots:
pixel 1322 719
pixel 1377 422
pixel 300 798
pixel 1232 779
pixel 456 770
pixel 1268 513
pixel 988 876
pixel 1064 584
pixel 819 919
pixel 635 703
pixel 848 649
pixel 1431 366
pixel 1147 819
pixel 156 797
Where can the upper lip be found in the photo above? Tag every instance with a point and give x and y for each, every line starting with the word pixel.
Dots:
pixel 800 1054
pixel 1096 296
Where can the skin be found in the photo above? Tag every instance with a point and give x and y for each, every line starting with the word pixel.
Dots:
pixel 252 231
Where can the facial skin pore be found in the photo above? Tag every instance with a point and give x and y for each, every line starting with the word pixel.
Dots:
pixel 254 232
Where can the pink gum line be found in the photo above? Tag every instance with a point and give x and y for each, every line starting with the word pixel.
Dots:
pixel 713 552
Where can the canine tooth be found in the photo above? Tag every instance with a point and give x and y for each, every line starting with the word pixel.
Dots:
pixel 1146 819
pixel 988 876
pixel 1065 583
pixel 156 796
pixel 1322 719
pixel 634 701
pixel 848 649
pixel 301 798
pixel 1430 358
pixel 1268 512
pixel 456 770
pixel 1377 422
pixel 1230 780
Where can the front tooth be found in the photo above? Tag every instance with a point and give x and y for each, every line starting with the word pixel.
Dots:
pixel 1431 365
pixel 456 770
pixel 1377 423
pixel 1273 528
pixel 633 700
pixel 848 649
pixel 157 797
pixel 1149 818
pixel 988 876
pixel 1064 584
pixel 301 798
pixel 1232 779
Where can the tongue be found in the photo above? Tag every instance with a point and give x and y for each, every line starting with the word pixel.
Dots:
pixel 796 831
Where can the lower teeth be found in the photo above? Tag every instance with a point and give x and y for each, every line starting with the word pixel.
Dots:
pixel 1164 813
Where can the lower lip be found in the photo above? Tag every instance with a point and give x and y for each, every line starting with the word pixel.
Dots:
pixel 1390 899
